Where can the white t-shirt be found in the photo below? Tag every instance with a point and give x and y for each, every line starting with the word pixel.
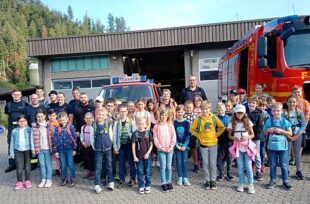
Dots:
pixel 142 114
pixel 240 132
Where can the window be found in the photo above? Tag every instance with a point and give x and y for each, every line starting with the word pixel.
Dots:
pixel 208 69
pixel 62 85
pixel 208 75
pixel 82 84
pixel 100 82
pixel 79 63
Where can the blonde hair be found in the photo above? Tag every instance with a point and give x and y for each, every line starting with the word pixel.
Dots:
pixel 164 111
pixel 206 104
pixel 89 114
pixel 62 115
pixel 221 105
pixel 101 110
pixel 167 90
pixel 277 105
pixel 179 107
pixel 141 120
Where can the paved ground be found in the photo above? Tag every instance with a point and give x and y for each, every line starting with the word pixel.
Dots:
pixel 83 192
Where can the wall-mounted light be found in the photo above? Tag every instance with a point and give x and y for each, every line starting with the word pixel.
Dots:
pixel 114 57
pixel 191 53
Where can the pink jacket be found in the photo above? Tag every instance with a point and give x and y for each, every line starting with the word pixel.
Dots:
pixel 163 138
pixel 250 149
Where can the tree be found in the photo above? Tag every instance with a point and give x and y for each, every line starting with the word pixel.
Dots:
pixel 111 26
pixel 99 26
pixel 70 12
pixel 120 24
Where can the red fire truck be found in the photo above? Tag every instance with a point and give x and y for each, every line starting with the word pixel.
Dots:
pixel 276 54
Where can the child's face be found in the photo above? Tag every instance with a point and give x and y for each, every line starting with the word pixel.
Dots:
pixel 229 107
pixel 258 88
pixel 205 110
pixel 150 106
pixel 110 107
pixel 140 105
pixel 88 119
pixel 40 117
pixel 130 107
pixel 22 123
pixel 292 103
pixel 252 105
pixel 102 115
pixel 141 125
pixel 276 112
pixel 239 115
pixel 189 108
pixel 197 103
pixel 297 93
pixel 263 106
pixel 220 110
pixel 63 121
pixel 163 117
pixel 99 104
pixel 123 112
pixel 242 97
pixel 180 114
pixel 52 117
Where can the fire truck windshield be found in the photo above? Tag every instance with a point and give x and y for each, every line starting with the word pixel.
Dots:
pixel 297 49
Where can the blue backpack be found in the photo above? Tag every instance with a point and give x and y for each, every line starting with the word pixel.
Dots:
pixel 277 142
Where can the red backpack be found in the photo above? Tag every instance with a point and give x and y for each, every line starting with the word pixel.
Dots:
pixel 68 131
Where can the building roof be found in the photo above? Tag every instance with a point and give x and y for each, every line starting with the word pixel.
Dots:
pixel 142 39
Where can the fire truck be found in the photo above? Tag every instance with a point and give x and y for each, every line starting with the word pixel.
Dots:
pixel 131 88
pixel 276 54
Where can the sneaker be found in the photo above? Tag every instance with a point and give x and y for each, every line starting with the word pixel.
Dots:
pixel 121 184
pixel 251 189
pixel 131 183
pixel 72 183
pixel 220 177
pixel 147 190
pixel 259 176
pixel 153 163
pixel 111 186
pixel 186 182
pixel 180 181
pixel 18 185
pixel 141 190
pixel 292 162
pixel 57 173
pixel 91 176
pixel 299 175
pixel 28 184
pixel 42 184
pixel 230 177
pixel 196 168
pixel 169 186
pixel 240 188
pixel 98 189
pixel 164 188
pixel 63 182
pixel 287 185
pixel 271 184
pixel 207 185
pixel 213 185
pixel 9 169
pixel 48 183
pixel 157 164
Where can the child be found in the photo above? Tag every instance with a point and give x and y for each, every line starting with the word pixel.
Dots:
pixel 190 117
pixel 197 104
pixel 298 124
pixel 87 137
pixel 234 97
pixel 122 134
pixel 278 129
pixel 164 140
pixel 21 147
pixel 181 149
pixel 154 116
pixel 142 113
pixel 242 97
pixel 103 140
pixel 131 109
pixel 256 117
pixel 259 88
pixel 206 128
pixel 229 108
pixel 53 122
pixel 241 132
pixel 42 134
pixel 142 144
pixel 224 143
pixel 64 147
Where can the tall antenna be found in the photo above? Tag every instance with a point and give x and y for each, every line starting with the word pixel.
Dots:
pixel 293 8
pixel 237 15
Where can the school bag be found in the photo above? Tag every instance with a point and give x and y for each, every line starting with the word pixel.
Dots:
pixel 295 127
pixel 136 135
pixel 199 123
pixel 277 142
pixel 59 130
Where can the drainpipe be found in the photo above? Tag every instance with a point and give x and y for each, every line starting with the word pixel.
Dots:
pixel 191 60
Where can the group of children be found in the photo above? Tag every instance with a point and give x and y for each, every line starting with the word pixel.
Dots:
pixel 141 133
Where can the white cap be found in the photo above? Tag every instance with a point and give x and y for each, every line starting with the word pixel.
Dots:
pixel 239 108
pixel 99 98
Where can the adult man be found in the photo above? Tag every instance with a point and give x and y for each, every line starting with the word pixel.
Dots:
pixel 31 110
pixel 13 109
pixel 53 100
pixel 76 97
pixel 63 106
pixel 40 92
pixel 192 90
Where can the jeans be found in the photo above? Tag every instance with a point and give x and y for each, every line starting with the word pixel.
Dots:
pixel 165 160
pixel 90 158
pixel 244 162
pixel 263 152
pixel 182 163
pixel 22 159
pixel 222 156
pixel 125 154
pixel 258 163
pixel 10 129
pixel 282 156
pixel 296 147
pixel 45 159
pixel 106 158
pixel 66 159
pixel 144 168
pixel 209 157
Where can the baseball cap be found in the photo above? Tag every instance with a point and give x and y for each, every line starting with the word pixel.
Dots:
pixel 239 108
pixel 233 91
pixel 241 91
pixel 99 98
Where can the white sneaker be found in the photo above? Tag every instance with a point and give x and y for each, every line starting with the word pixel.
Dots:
pixel 251 189
pixel 48 183
pixel 157 164
pixel 111 186
pixel 41 185
pixel 180 181
pixel 186 182
pixel 98 189
pixel 147 190
pixel 240 188
pixel 153 163
pixel 141 190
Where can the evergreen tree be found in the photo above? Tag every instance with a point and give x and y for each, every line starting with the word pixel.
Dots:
pixel 70 12
pixel 111 25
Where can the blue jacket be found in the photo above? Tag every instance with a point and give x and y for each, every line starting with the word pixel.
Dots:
pixel 103 136
pixel 225 119
pixel 64 140
pixel 15 142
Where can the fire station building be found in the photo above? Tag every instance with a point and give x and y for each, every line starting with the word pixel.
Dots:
pixel 167 55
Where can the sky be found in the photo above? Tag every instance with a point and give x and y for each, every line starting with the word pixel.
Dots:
pixel 148 14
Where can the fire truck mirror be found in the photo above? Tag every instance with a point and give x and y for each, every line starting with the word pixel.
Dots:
pixel 262 63
pixel 262 47
pixel 287 33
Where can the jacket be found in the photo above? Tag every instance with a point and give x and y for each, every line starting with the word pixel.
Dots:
pixel 37 137
pixel 64 140
pixel 210 129
pixel 188 94
pixel 163 139
pixel 117 128
pixel 91 136
pixel 103 136
pixel 256 117
pixel 15 144
pixel 250 149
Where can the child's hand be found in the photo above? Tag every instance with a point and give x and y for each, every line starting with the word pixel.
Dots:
pixel 245 138
pixel 183 148
pixel 78 134
pixel 236 138
pixel 146 156
pixel 136 159
pixel 278 130
pixel 116 151
pixel 33 152
pixel 270 130
pixel 57 155
pixel 73 153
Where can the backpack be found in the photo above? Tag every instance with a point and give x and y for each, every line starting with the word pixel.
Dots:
pixel 296 127
pixel 199 123
pixel 136 135
pixel 59 130
pixel 277 142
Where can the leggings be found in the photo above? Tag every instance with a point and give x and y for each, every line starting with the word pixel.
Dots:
pixel 296 147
